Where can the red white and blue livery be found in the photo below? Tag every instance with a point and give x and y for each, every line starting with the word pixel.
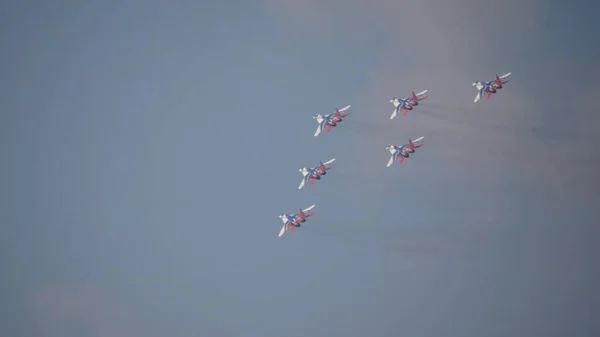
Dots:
pixel 406 104
pixel 491 87
pixel 292 221
pixel 402 152
pixel 330 121
pixel 314 173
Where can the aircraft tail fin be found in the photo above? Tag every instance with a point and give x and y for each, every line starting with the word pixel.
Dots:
pixel 498 82
pixel 502 79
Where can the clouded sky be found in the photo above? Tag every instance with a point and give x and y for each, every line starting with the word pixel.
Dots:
pixel 148 148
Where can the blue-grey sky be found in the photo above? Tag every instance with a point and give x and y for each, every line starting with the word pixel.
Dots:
pixel 149 146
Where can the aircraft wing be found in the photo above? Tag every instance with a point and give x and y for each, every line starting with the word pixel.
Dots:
pixel 418 139
pixel 394 113
pixel 329 161
pixel 504 76
pixel 478 95
pixel 422 93
pixel 282 231
pixel 391 161
pixel 344 108
pixel 319 128
pixel 308 208
pixel 304 179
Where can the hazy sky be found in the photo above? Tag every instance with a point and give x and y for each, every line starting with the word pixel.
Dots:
pixel 149 146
